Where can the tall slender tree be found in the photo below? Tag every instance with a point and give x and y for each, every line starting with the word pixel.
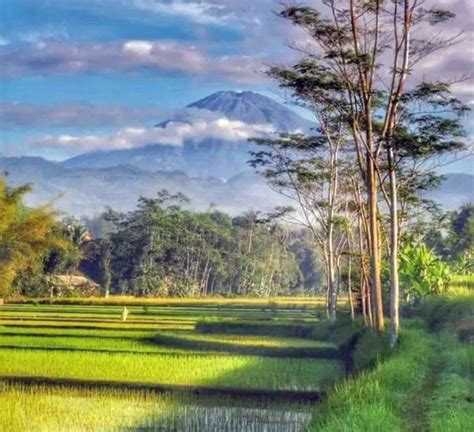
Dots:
pixel 366 50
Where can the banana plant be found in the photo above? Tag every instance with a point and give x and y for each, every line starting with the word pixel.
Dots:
pixel 421 272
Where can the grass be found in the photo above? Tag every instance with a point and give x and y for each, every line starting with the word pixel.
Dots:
pixel 425 384
pixel 169 342
pixel 83 333
pixel 94 325
pixel 450 408
pixel 158 347
pixel 376 400
pixel 254 328
pixel 463 281
pixel 82 342
pixel 206 371
pixel 149 313
pixel 59 409
pixel 270 303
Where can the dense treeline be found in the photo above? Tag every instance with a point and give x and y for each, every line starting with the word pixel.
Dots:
pixel 162 249
pixel 159 249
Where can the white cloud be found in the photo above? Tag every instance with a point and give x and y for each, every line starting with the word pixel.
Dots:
pixel 47 33
pixel 201 12
pixel 142 48
pixel 175 133
pixel 51 58
pixel 75 114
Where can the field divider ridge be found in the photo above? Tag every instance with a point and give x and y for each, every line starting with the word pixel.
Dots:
pixel 274 395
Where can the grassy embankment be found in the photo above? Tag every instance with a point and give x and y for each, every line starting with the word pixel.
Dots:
pixel 425 385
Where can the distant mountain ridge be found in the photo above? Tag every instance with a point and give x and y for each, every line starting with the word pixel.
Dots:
pixel 88 191
pixel 209 156
pixel 211 171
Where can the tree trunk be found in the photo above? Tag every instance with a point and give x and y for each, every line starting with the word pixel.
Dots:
pixel 394 282
pixel 349 288
pixel 332 291
pixel 375 266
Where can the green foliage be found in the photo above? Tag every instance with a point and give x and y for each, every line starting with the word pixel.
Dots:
pixel 371 349
pixel 213 325
pixel 462 233
pixel 32 282
pixel 449 408
pixel 161 249
pixel 451 236
pixel 26 235
pixel 425 383
pixel 421 272
pixel 452 311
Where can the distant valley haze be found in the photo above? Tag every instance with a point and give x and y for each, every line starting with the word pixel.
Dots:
pixel 203 152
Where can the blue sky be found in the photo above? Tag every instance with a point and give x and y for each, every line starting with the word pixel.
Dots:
pixel 38 36
pixel 91 67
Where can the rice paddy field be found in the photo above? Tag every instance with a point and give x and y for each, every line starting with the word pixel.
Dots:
pixel 173 365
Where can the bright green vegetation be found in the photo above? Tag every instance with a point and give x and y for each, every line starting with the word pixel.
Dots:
pixel 185 342
pixel 158 346
pixel 450 408
pixel 426 384
pixel 206 371
pixel 44 408
pixel 189 303
pixel 59 409
pixel 63 346
pixel 157 329
pixel 155 317
pixel 95 325
pixel 463 281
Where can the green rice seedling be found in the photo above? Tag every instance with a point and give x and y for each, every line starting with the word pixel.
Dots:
pixel 82 332
pixel 463 281
pixel 190 370
pixel 286 302
pixel 55 409
pixel 166 342
pixel 251 340
pixel 111 314
pixel 254 328
pixel 95 325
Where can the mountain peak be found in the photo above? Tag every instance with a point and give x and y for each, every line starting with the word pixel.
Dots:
pixel 252 108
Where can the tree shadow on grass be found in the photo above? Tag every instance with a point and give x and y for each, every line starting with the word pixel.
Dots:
pixel 233 409
pixel 181 342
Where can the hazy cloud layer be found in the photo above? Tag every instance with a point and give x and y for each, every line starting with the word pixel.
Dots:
pixel 201 12
pixel 173 133
pixel 263 41
pixel 134 55
pixel 75 114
